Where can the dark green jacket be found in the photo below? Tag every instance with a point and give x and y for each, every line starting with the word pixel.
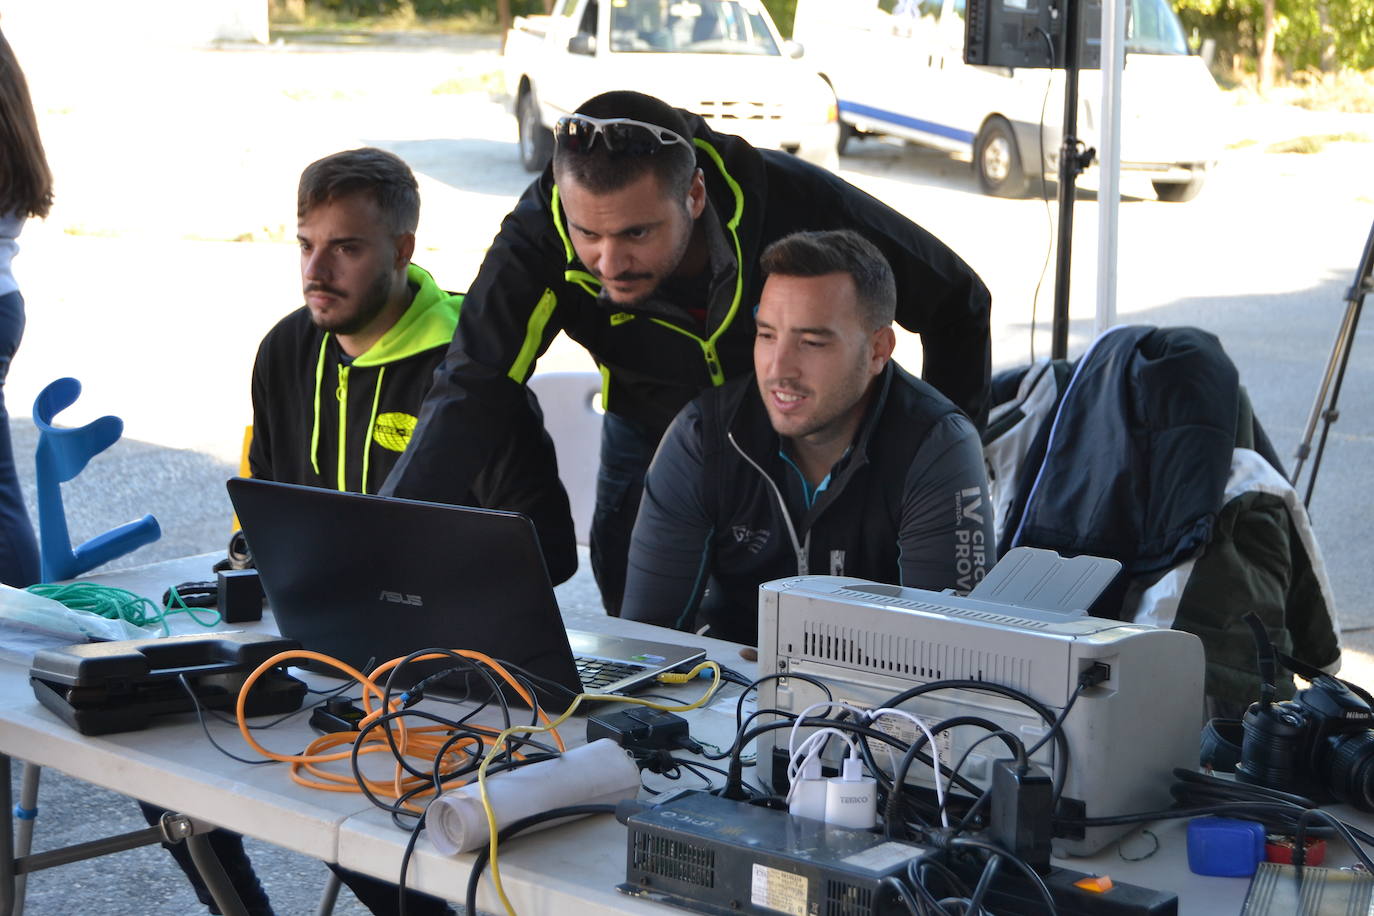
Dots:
pixel 1149 453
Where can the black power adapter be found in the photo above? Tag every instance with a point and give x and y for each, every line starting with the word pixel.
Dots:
pixel 641 728
pixel 1022 816
pixel 240 595
pixel 338 714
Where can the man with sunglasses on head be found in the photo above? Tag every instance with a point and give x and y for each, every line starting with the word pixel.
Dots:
pixel 641 242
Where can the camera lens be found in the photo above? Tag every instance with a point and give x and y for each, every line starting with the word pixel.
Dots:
pixel 1351 769
pixel 1269 754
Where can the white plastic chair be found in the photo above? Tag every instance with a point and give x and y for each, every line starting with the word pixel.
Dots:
pixel 571 402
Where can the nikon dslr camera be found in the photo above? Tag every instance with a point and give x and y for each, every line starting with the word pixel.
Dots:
pixel 1318 744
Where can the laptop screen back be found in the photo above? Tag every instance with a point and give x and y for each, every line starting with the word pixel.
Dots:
pixel 364 578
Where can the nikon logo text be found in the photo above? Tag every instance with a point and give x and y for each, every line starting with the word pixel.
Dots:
pixel 399 598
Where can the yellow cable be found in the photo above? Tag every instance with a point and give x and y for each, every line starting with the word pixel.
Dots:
pixel 418 740
pixel 535 729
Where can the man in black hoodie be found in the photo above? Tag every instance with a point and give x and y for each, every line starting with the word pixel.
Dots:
pixel 338 383
pixel 336 387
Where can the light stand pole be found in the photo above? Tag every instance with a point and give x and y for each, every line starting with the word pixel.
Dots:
pixel 1072 161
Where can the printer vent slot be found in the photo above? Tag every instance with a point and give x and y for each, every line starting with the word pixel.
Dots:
pixel 903 656
pixel 944 610
pixel 690 863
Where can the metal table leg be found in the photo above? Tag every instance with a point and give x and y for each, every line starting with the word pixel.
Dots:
pixel 212 873
pixel 174 828
pixel 330 896
pixel 6 839
pixel 26 812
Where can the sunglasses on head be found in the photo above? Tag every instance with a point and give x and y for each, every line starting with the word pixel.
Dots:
pixel 577 133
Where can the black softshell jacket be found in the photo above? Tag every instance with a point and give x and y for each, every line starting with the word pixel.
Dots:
pixel 656 358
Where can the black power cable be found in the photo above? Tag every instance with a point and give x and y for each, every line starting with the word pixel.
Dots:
pixel 479 864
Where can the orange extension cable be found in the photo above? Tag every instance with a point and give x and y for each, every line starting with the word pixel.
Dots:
pixel 417 742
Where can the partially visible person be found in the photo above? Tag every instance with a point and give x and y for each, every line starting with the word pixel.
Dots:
pixel 25 191
pixel 829 459
pixel 338 383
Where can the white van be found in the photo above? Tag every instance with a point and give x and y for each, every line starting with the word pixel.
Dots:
pixel 897 67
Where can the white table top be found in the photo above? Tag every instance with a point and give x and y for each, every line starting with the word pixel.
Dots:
pixel 170 763
pixel 569 868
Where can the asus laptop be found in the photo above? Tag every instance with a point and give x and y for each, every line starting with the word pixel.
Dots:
pixel 371 578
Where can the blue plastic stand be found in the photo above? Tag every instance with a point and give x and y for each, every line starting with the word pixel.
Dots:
pixel 62 454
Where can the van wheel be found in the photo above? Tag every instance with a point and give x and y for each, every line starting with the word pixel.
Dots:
pixel 536 140
pixel 1180 192
pixel 847 133
pixel 997 160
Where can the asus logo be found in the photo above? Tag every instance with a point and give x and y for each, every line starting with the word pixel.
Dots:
pixel 399 598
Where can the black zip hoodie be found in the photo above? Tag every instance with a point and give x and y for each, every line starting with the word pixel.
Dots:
pixel 324 420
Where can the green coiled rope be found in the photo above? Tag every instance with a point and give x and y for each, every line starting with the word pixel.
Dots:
pixel 118 604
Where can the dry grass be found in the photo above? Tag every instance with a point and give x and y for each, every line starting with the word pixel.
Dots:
pixel 324 25
pixel 1314 143
pixel 478 81
pixel 1347 91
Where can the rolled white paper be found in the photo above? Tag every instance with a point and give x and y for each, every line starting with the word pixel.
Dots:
pixel 597 773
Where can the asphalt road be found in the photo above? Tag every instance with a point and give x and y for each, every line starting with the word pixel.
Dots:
pixel 137 286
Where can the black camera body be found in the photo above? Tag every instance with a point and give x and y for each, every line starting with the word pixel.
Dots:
pixel 1319 744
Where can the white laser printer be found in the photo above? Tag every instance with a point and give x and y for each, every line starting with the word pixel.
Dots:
pixel 1024 626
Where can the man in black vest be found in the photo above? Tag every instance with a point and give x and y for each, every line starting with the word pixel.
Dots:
pixel 830 459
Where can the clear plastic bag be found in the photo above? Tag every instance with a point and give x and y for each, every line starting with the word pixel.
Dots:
pixel 30 622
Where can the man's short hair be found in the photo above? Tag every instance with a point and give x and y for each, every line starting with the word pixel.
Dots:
pixel 363 171
pixel 601 171
pixel 815 254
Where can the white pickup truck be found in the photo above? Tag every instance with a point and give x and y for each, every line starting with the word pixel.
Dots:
pixel 722 59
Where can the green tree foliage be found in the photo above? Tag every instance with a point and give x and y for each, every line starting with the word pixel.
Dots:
pixel 1301 41
pixel 783 12
pixel 361 8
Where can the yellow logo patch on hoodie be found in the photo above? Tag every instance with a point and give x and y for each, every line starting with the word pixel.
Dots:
pixel 392 430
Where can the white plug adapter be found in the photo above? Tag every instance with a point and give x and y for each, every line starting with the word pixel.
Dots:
pixel 851 799
pixel 808 792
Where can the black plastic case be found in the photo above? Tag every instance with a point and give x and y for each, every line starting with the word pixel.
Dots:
pixel 105 687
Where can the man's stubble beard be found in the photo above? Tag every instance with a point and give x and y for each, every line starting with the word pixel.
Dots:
pixel 370 306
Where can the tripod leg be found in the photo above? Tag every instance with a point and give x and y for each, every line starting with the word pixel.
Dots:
pixel 1335 371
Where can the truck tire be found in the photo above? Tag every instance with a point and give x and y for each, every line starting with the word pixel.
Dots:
pixel 997 160
pixel 847 133
pixel 1180 192
pixel 536 140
